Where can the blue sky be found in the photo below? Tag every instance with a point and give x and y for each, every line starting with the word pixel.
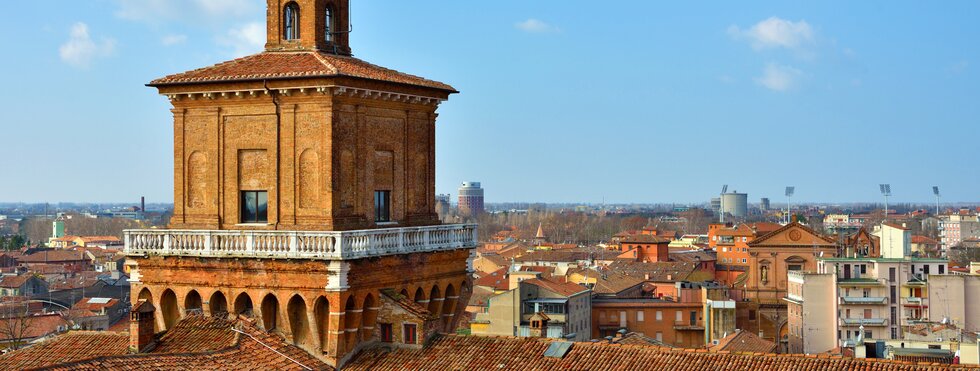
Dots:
pixel 635 101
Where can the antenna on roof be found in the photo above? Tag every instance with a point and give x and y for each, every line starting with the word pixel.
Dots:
pixel 886 190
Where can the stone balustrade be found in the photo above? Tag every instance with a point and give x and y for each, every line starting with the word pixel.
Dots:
pixel 319 245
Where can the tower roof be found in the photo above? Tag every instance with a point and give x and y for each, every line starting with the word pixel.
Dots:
pixel 294 65
pixel 540 234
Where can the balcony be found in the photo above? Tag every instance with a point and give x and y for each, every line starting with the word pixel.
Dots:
pixel 688 325
pixel 913 301
pixel 857 300
pixel 864 321
pixel 315 245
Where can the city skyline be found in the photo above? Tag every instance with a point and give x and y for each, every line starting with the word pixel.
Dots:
pixel 810 96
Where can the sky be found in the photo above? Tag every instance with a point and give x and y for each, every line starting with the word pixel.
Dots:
pixel 561 101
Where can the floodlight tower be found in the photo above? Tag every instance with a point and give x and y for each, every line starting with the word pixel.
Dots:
pixel 886 190
pixel 789 203
pixel 935 191
pixel 721 205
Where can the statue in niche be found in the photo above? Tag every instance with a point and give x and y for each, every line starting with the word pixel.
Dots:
pixel 764 274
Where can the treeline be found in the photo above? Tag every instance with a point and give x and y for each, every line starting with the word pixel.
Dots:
pixel 38 230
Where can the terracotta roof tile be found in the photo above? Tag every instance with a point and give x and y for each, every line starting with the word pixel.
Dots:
pixel 195 343
pixel 453 352
pixel 71 347
pixel 745 341
pixel 560 288
pixel 275 65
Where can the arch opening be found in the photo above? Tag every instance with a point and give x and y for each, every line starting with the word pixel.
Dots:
pixel 321 312
pixel 168 307
pixel 368 317
pixel 449 306
pixel 243 304
pixel 218 305
pixel 350 323
pixel 192 303
pixel 290 21
pixel 270 312
pixel 298 323
pixel 435 301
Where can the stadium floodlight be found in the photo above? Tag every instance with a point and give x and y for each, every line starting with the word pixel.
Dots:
pixel 886 190
pixel 790 190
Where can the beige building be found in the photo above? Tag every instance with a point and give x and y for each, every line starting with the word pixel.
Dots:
pixel 567 306
pixel 956 300
pixel 812 315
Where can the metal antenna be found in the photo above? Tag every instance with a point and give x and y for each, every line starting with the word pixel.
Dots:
pixel 886 190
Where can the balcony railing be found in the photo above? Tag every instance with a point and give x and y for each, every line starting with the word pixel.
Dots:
pixel 318 245
pixel 858 300
pixel 864 321
pixel 687 325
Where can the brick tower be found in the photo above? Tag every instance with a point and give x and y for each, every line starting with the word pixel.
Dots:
pixel 304 195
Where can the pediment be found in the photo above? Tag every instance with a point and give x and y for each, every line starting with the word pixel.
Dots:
pixel 792 235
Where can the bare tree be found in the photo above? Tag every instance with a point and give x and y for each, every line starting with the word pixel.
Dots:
pixel 16 323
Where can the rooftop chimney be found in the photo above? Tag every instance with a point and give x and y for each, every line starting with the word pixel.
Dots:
pixel 141 327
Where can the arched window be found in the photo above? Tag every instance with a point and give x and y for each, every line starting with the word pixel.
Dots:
pixel 328 22
pixel 291 21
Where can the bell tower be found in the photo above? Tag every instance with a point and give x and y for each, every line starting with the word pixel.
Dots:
pixel 307 25
pixel 304 190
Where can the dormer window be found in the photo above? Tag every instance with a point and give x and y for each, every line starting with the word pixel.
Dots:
pixel 328 21
pixel 291 22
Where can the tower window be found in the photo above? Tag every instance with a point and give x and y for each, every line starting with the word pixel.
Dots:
pixel 328 21
pixel 255 207
pixel 382 206
pixel 291 22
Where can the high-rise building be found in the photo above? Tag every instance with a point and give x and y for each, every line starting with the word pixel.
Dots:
pixel 470 198
pixel 764 204
pixel 305 197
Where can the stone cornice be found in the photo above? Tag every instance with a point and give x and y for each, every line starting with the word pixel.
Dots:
pixel 334 90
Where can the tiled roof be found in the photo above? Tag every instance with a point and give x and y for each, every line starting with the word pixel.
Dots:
pixel 71 347
pixel 54 256
pixel 656 271
pixel 36 325
pixel 566 255
pixel 645 238
pixel 560 288
pixel 694 255
pixel 497 280
pixel 924 240
pixel 13 282
pixel 745 341
pixel 636 338
pixel 408 305
pixel 196 334
pixel 195 343
pixel 611 283
pixel 279 65
pixel 453 352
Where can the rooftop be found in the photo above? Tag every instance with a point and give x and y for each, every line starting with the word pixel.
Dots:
pixel 194 343
pixel 453 352
pixel 292 65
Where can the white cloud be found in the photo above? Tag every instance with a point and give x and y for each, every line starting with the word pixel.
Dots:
pixel 535 26
pixel 173 39
pixel 244 40
pixel 779 78
pixel 775 33
pixel 199 11
pixel 80 49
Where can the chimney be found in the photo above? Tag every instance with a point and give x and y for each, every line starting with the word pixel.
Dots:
pixel 141 330
pixel 539 325
pixel 142 204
